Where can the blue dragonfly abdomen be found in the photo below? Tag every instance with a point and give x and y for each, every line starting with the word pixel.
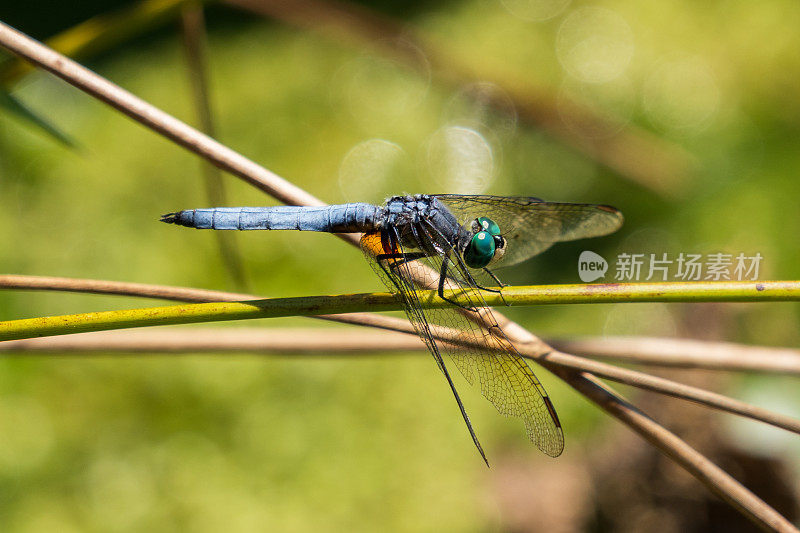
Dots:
pixel 345 218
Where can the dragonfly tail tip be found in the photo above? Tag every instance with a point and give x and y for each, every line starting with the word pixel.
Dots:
pixel 170 218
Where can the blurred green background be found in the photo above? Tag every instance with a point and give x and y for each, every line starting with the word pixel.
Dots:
pixel 248 443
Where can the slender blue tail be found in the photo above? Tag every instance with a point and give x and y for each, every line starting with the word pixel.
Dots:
pixel 346 218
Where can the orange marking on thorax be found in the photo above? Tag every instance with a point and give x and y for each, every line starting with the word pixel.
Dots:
pixel 377 243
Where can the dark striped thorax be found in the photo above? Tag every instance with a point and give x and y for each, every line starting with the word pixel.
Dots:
pixel 422 222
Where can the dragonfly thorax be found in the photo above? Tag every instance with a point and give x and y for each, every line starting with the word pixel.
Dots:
pixel 422 222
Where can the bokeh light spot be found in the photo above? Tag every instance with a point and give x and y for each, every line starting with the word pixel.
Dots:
pixel 681 95
pixel 594 44
pixel 377 89
pixel 460 160
pixel 483 106
pixel 367 169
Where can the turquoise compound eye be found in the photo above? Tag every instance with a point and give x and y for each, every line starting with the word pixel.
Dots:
pixel 487 224
pixel 480 250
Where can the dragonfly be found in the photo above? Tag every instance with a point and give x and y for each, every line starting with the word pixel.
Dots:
pixel 451 243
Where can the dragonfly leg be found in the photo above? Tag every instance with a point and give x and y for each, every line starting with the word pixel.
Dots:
pixel 495 278
pixel 442 278
pixel 499 283
pixel 475 282
pixel 403 258
pixel 399 259
pixel 489 289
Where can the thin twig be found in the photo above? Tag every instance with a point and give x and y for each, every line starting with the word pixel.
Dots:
pixel 657 351
pixel 631 152
pixel 194 43
pixel 709 291
pixel 317 341
pixel 685 353
pixel 120 288
pixel 712 476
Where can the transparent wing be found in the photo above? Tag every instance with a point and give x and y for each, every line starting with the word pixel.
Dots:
pixel 531 225
pixel 394 271
pixel 502 374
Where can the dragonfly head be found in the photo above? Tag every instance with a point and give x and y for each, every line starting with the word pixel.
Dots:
pixel 486 244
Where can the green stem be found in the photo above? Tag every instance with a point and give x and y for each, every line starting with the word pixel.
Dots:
pixel 712 291
pixel 678 291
